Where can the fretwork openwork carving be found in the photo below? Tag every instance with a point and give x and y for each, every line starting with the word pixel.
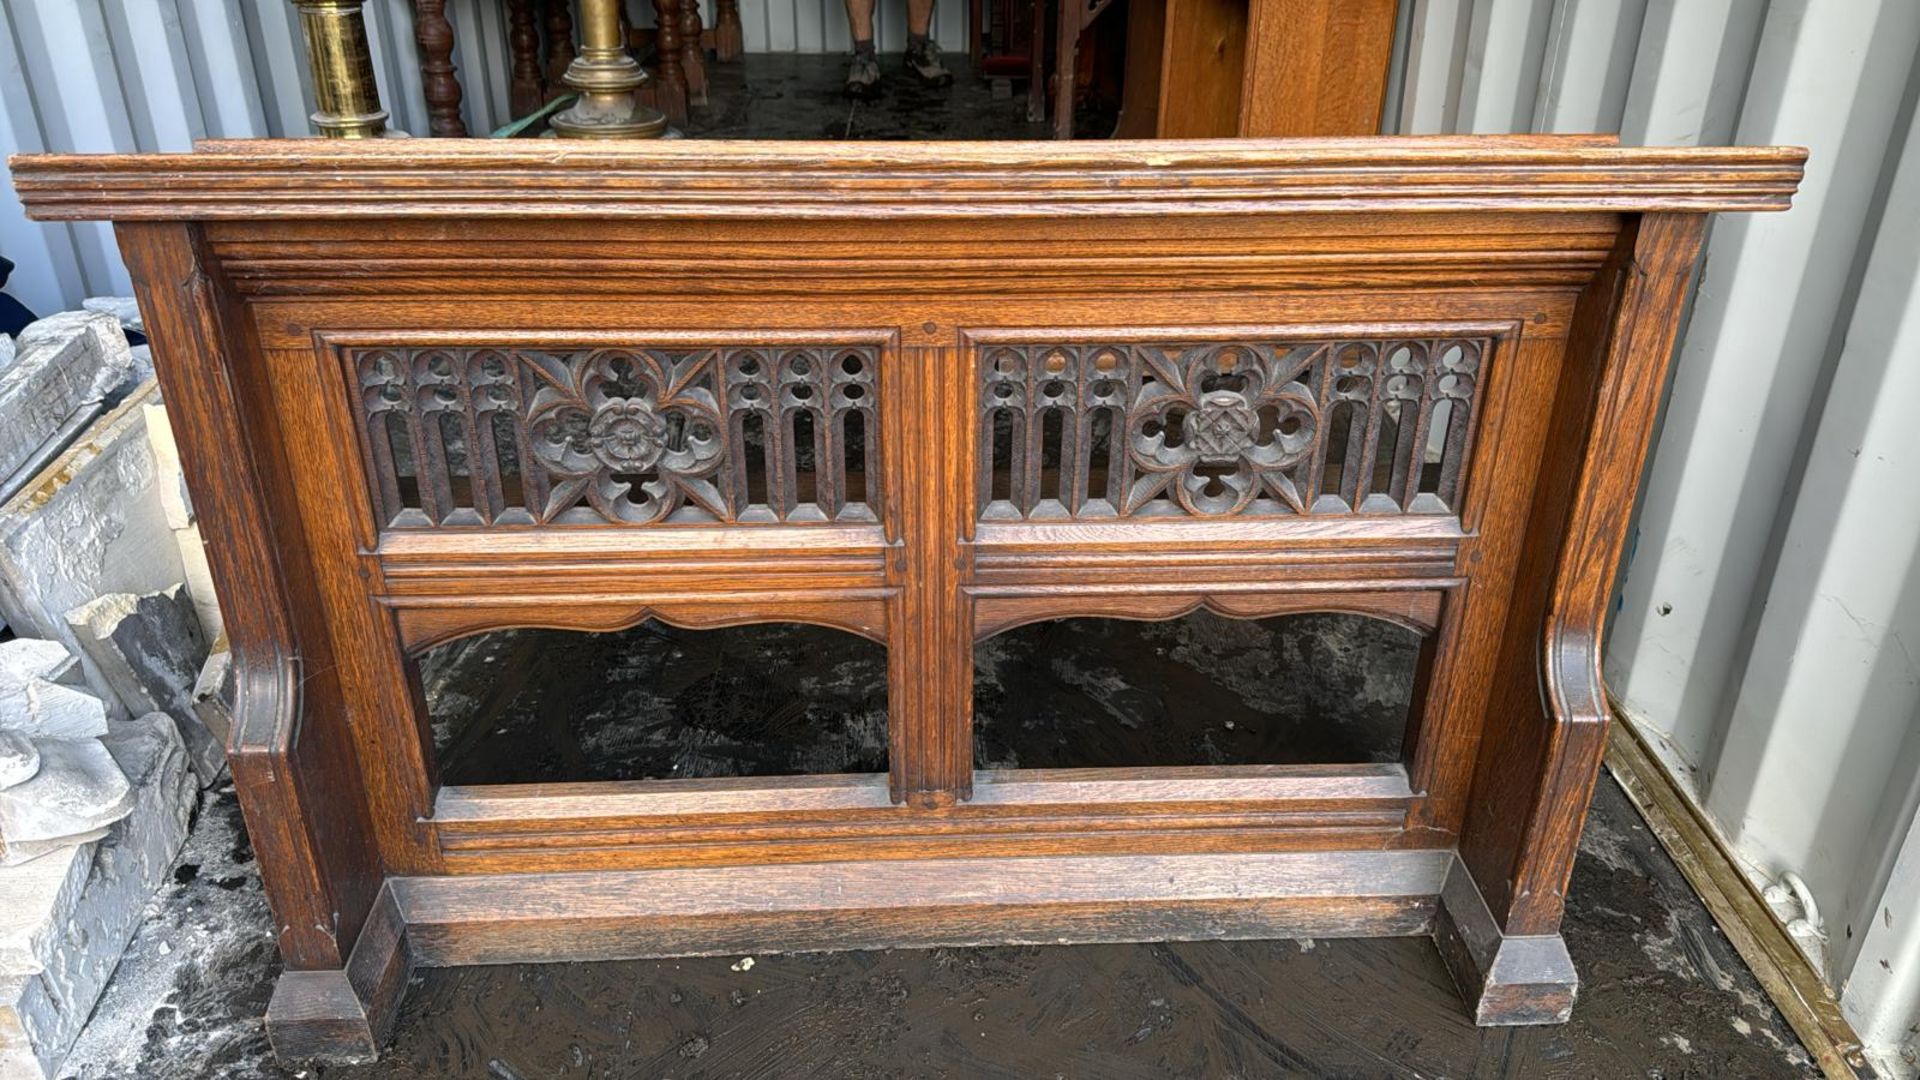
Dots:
pixel 1217 428
pixel 510 436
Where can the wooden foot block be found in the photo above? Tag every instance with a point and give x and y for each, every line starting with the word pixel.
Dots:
pixel 345 1015
pixel 1507 980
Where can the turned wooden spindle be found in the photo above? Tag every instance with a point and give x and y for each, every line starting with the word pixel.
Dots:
pixel 670 82
pixel 729 41
pixel 528 89
pixel 434 34
pixel 693 53
pixel 559 45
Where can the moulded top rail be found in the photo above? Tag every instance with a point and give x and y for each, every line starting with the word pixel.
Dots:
pixel 387 178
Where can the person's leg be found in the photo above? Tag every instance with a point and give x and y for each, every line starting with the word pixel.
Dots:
pixel 923 56
pixel 860 20
pixel 863 75
pixel 919 16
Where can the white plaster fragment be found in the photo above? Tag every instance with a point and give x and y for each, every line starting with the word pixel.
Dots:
pixel 62 363
pixel 48 710
pixel 89 524
pixel 170 480
pixel 19 760
pixel 66 918
pixel 77 789
pixel 25 659
pixel 124 309
pixel 151 648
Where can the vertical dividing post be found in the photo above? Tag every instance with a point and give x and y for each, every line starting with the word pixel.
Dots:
pixel 929 616
pixel 608 79
pixel 343 82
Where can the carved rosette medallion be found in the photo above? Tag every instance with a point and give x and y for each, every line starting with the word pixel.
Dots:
pixel 1215 427
pixel 631 435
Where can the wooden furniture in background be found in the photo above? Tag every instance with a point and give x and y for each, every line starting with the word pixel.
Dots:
pixel 1408 379
pixel 679 80
pixel 1253 68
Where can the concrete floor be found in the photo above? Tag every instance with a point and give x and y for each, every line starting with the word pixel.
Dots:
pixel 1663 993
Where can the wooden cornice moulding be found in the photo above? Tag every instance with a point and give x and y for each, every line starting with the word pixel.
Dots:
pixel 252 179
pixel 429 388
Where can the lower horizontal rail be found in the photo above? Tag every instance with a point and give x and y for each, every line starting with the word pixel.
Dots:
pixel 632 914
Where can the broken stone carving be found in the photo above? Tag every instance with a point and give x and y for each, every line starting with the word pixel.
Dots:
pixel 77 789
pixel 89 524
pixel 59 786
pixel 38 696
pixel 150 650
pixel 66 918
pixel 18 759
pixel 64 365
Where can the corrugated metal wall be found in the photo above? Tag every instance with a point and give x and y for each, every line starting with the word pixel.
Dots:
pixel 122 75
pixel 1769 629
pixel 1768 632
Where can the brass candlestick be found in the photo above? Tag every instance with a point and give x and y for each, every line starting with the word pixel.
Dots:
pixel 608 79
pixel 343 82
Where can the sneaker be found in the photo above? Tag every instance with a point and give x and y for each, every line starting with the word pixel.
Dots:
pixel 923 60
pixel 863 78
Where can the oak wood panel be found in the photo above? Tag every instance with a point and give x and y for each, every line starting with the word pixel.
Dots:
pixel 1547 716
pixel 572 259
pixel 263 266
pixel 706 911
pixel 1012 813
pixel 1315 67
pixel 1416 610
pixel 1203 58
pixel 289 755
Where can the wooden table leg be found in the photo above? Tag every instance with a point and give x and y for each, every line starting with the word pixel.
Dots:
pixel 693 55
pixel 729 41
pixel 528 90
pixel 435 36
pixel 1066 51
pixel 559 46
pixel 670 80
pixel 1037 62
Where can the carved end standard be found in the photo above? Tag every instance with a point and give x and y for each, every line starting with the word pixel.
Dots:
pixel 1505 979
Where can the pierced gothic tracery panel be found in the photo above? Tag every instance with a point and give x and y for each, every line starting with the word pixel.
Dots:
pixel 1216 428
pixel 511 436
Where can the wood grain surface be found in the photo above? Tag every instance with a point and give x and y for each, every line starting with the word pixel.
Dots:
pixel 1291 314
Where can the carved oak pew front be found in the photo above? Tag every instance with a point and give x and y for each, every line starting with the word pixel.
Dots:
pixel 1407 378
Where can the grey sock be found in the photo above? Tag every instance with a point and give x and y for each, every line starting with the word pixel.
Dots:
pixel 863 49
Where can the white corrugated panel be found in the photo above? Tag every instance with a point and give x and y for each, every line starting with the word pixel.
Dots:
pixel 1768 633
pixel 116 75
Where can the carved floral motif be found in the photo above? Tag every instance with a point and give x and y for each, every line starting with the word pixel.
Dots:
pixel 1209 429
pixel 524 436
